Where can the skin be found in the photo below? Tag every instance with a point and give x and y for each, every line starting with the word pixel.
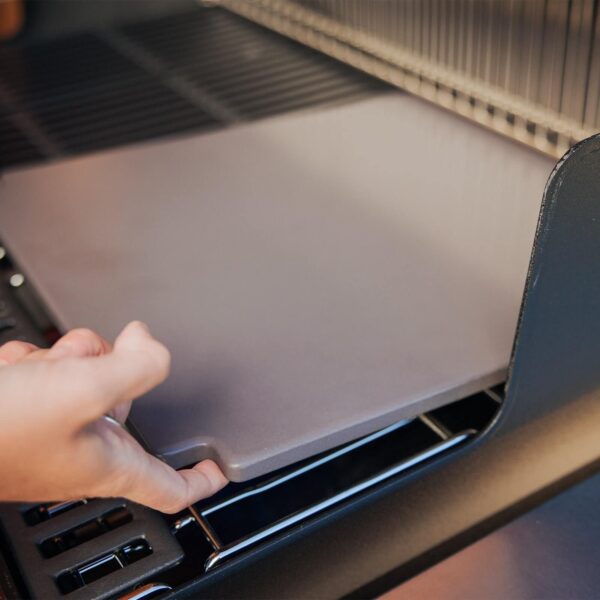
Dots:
pixel 55 443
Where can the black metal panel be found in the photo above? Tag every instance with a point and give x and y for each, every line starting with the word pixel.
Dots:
pixel 557 349
pixel 42 573
pixel 551 552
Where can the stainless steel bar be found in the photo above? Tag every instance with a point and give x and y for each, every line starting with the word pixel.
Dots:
pixel 211 536
pixel 592 74
pixel 436 426
pixel 532 64
pixel 593 104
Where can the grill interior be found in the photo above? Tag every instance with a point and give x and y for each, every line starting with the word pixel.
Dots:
pixel 188 72
pixel 93 548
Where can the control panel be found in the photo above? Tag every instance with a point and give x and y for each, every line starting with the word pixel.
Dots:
pixel 22 316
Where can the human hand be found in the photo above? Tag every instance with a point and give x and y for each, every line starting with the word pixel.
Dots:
pixel 55 443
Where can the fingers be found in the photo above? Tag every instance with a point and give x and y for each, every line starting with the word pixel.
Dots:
pixel 137 364
pixel 13 352
pixel 170 491
pixel 96 385
pixel 80 388
pixel 79 343
pixel 76 343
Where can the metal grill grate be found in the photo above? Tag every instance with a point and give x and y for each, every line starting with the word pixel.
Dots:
pixel 252 72
pixel 528 69
pixel 191 71
pixel 14 146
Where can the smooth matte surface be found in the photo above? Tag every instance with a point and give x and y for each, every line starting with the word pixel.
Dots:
pixel 316 277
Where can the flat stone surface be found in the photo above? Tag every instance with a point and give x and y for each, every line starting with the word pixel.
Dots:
pixel 316 276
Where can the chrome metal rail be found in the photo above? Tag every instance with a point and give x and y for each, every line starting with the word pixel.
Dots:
pixel 223 551
pixel 528 69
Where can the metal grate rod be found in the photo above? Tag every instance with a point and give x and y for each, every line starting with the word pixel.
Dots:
pixel 528 69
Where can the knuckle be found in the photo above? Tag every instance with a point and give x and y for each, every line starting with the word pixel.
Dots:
pixel 15 350
pixel 85 338
pixel 83 333
pixel 16 345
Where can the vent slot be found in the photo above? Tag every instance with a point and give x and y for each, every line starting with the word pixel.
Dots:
pixel 43 512
pixel 85 532
pixel 107 546
pixel 87 573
